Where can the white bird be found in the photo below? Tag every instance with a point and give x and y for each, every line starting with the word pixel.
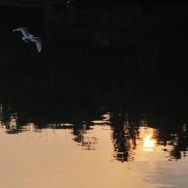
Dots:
pixel 28 37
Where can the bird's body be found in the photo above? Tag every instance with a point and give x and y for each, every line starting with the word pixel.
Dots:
pixel 28 37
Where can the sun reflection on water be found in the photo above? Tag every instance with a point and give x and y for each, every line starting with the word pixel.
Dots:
pixel 149 143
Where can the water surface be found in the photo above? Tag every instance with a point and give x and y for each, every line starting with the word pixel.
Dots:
pixel 104 104
pixel 94 154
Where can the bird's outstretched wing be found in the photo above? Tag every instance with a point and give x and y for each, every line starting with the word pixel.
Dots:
pixel 38 42
pixel 24 31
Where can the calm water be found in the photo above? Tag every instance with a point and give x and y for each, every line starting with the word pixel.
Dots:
pixel 103 105
pixel 100 153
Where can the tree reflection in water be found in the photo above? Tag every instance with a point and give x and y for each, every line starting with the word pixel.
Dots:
pixel 82 137
pixel 125 134
pixel 124 140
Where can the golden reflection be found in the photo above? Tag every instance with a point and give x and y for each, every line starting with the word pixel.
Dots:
pixel 105 120
pixel 149 143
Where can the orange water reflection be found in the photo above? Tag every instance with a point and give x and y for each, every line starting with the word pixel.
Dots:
pixel 149 143
pixel 148 136
pixel 103 149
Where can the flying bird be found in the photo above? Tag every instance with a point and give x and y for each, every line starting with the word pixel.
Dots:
pixel 28 37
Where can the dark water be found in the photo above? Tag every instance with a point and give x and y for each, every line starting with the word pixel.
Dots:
pixel 104 104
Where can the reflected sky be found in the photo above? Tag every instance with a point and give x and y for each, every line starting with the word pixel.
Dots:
pixel 99 153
